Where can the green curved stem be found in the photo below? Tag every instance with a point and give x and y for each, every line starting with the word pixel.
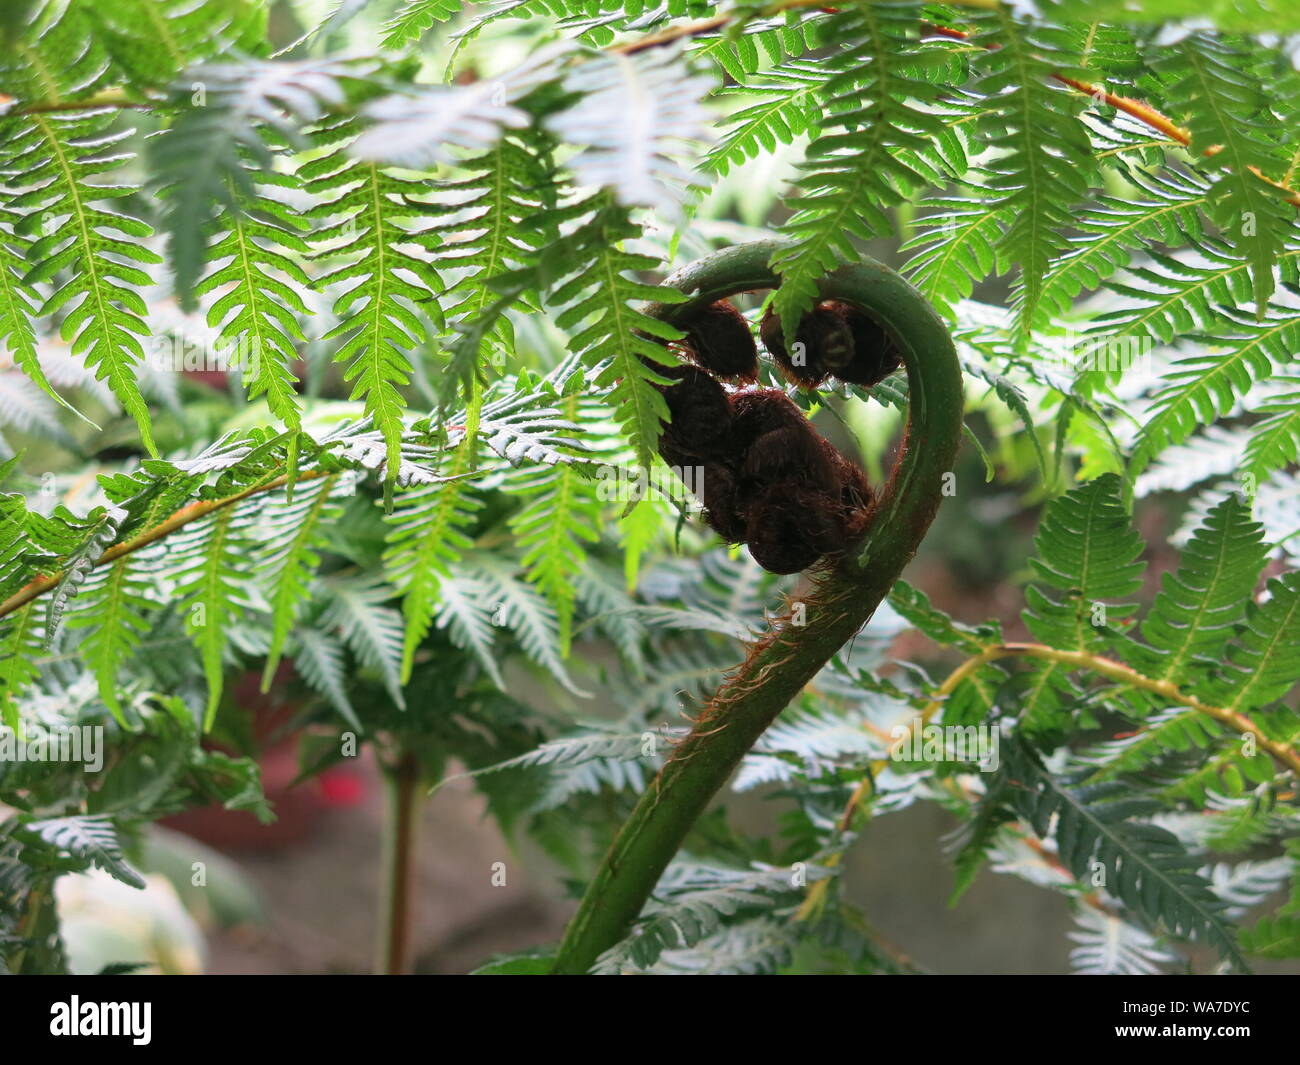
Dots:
pixel 845 594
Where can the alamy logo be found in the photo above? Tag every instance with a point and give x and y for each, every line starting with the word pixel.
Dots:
pixel 55 743
pixel 102 1018
pixel 921 742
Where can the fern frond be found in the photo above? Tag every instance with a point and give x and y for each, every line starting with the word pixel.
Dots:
pixel 1166 209
pixel 53 159
pixel 854 173
pixel 1265 663
pixel 611 335
pixel 295 529
pixel 1202 387
pixel 89 840
pixel 1044 162
pixel 415 18
pixel 632 116
pixel 788 107
pixel 1193 617
pixel 372 630
pixel 367 221
pixel 1209 80
pixel 210 572
pixel 1146 867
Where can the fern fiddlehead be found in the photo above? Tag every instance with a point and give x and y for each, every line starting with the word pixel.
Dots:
pixel 846 593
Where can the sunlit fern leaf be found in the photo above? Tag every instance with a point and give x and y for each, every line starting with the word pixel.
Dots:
pixel 1044 162
pixel 428 533
pixel 1275 441
pixel 56 53
pixel 631 122
pixel 1262 16
pixel 22 641
pixel 114 608
pixel 1087 562
pixel 955 248
pixel 372 630
pixel 51 158
pixel 1170 295
pixel 1087 556
pixel 202 160
pixel 415 18
pixel 605 327
pixel 19 305
pixel 1166 210
pixel 1199 605
pixel 1201 387
pixel 1208 80
pixel 368 222
pixel 257 281
pixel 151 41
pixel 854 173
pixel 739 49
pixel 561 511
pixel 482 216
pixel 787 107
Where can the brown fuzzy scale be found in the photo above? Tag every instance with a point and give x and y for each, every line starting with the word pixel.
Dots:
pixel 789 528
pixel 827 345
pixel 875 353
pixel 769 479
pixel 700 416
pixel 721 513
pixel 719 338
pixel 801 456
